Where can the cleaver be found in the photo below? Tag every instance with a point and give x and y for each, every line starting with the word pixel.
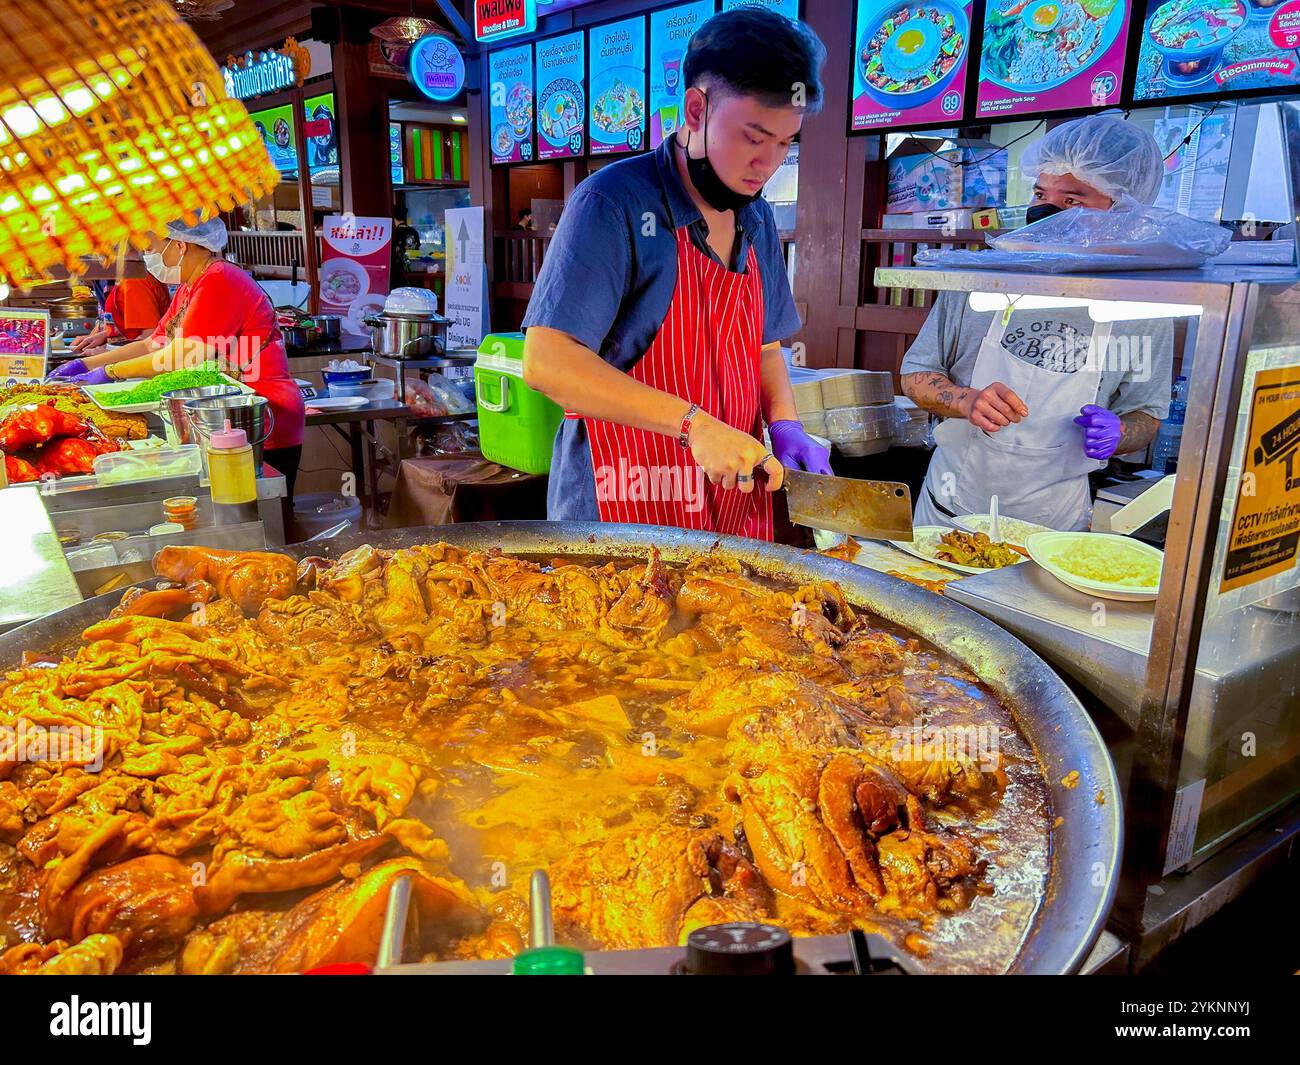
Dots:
pixel 876 510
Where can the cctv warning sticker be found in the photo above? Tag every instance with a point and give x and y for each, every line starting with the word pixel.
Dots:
pixel 1266 517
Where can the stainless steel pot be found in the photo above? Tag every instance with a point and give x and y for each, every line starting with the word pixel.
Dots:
pixel 398 335
pixel 329 328
pixel 1086 840
pixel 171 407
pixel 249 412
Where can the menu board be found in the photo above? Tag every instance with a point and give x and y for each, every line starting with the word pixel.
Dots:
pixel 670 32
pixel 510 104
pixel 1209 47
pixel 788 8
pixel 321 132
pixel 275 125
pixel 1051 55
pixel 396 170
pixel 616 67
pixel 561 96
pixel 909 62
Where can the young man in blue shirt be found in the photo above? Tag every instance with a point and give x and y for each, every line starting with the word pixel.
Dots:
pixel 657 319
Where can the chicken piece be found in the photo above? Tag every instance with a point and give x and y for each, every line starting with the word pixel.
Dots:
pixel 925 872
pixel 238 873
pixel 34 425
pixel 343 923
pixel 938 775
pixel 314 617
pixel 209 954
pixel 97 955
pixel 348 577
pixel 68 457
pixel 793 847
pixel 170 602
pixel 20 471
pixel 733 691
pixel 248 578
pixel 640 606
pixel 403 602
pixel 637 889
pixel 142 901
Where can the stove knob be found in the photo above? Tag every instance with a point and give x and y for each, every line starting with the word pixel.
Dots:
pixel 739 948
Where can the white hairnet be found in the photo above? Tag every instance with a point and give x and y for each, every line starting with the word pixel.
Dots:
pixel 1106 152
pixel 210 234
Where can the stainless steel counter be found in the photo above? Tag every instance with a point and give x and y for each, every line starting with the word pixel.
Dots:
pixel 1103 645
pixel 34 576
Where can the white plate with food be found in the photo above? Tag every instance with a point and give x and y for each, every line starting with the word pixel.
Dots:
pixel 1012 531
pixel 1103 564
pixel 108 388
pixel 929 541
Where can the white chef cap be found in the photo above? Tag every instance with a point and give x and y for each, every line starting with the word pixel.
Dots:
pixel 210 234
pixel 1110 154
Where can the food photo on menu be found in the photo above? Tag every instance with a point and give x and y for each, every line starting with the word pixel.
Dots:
pixel 910 61
pixel 1199 47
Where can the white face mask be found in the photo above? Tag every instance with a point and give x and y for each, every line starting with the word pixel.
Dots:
pixel 168 275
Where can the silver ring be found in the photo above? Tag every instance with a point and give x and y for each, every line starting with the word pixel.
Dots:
pixel 765 457
pixel 744 478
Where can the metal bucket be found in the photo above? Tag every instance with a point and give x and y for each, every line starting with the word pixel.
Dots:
pixel 171 407
pixel 252 413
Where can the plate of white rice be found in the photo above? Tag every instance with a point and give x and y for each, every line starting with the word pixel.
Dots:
pixel 1102 564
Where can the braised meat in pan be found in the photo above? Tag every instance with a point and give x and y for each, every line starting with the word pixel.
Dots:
pixel 234 768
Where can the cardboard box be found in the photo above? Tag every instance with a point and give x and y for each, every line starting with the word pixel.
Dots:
pixel 922 178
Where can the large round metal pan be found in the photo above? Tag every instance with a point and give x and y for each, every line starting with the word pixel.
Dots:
pixel 1086 840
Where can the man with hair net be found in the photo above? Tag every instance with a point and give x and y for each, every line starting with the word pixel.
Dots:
pixel 218 312
pixel 1033 401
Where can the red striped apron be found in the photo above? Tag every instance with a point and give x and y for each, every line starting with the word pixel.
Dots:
pixel 707 351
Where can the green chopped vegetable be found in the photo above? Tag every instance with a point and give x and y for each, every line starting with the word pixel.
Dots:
pixel 151 391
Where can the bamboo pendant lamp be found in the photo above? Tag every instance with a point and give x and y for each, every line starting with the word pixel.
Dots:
pixel 113 121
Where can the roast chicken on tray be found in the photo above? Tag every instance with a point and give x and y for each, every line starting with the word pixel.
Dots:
pixel 275 743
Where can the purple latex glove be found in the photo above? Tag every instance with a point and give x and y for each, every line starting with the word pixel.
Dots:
pixel 90 377
pixel 1101 431
pixel 796 449
pixel 67 371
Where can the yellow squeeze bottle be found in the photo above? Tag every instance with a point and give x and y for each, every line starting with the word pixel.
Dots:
pixel 230 467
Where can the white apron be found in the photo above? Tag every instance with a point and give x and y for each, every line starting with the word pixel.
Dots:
pixel 1037 468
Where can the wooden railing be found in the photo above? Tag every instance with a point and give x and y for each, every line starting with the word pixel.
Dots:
pixel 269 254
pixel 518 255
pixel 888 319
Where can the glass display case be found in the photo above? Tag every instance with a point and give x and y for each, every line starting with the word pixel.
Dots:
pixel 1202 683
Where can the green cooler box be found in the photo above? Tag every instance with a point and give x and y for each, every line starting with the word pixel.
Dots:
pixel 516 425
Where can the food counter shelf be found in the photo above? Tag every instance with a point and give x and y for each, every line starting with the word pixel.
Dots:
pixel 1103 645
pixel 1206 674
pixel 35 578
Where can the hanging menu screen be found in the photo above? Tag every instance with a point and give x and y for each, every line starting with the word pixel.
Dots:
pixel 1212 47
pixel 616 65
pixel 1051 55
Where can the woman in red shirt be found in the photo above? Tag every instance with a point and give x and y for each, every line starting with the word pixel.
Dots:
pixel 218 312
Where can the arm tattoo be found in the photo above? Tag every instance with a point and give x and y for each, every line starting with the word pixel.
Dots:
pixel 1137 430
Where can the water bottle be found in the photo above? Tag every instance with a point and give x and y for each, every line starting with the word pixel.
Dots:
pixel 1170 434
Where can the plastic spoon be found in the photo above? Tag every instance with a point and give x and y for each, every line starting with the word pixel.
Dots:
pixel 993 520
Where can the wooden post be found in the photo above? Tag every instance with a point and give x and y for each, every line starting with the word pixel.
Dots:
pixel 362 112
pixel 831 195
pixel 310 256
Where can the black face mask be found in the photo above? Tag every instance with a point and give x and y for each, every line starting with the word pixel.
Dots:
pixel 717 194
pixel 1038 211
